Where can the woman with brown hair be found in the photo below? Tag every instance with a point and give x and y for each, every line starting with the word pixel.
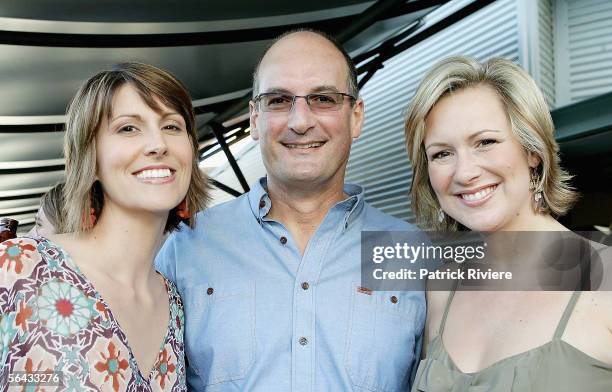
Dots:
pixel 480 139
pixel 86 310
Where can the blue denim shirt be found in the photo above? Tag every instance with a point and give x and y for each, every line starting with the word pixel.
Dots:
pixel 261 317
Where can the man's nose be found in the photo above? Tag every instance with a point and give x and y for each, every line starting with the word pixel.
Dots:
pixel 301 119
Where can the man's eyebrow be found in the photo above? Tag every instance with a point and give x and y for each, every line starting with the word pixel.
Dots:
pixel 325 88
pixel 318 89
pixel 277 90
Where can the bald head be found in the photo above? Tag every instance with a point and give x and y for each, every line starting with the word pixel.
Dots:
pixel 315 44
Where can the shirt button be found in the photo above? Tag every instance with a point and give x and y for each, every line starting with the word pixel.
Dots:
pixel 210 291
pixel 305 285
pixel 283 240
pixel 303 341
pixel 393 299
pixel 262 203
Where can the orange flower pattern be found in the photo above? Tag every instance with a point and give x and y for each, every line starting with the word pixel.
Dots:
pixel 164 368
pixel 52 319
pixel 29 368
pixel 23 314
pixel 15 253
pixel 113 365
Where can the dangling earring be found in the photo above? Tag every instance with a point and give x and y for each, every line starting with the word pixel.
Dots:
pixel 538 197
pixel 534 178
pixel 181 210
pixel 92 216
pixel 533 186
pixel 96 203
pixel 440 215
pixel 92 210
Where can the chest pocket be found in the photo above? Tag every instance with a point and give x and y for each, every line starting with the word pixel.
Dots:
pixel 220 330
pixel 381 339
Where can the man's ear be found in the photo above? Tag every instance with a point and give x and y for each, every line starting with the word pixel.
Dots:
pixel 357 117
pixel 533 160
pixel 253 113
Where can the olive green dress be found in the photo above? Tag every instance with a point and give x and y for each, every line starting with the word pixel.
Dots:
pixel 555 366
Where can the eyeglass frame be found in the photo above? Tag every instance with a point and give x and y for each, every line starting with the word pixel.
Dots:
pixel 258 98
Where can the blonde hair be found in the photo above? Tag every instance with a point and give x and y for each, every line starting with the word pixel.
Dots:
pixel 530 121
pixel 51 204
pixel 82 193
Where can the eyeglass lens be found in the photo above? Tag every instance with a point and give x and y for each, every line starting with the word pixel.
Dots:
pixel 317 102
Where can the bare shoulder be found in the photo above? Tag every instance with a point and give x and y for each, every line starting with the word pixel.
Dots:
pixel 590 327
pixel 599 301
pixel 75 246
pixel 597 311
pixel 63 240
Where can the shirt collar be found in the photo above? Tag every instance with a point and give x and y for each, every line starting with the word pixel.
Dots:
pixel 260 203
pixel 353 204
pixel 258 195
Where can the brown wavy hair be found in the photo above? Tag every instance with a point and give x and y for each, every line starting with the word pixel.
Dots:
pixel 84 116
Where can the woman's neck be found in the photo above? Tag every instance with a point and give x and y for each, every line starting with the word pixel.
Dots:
pixel 122 245
pixel 535 222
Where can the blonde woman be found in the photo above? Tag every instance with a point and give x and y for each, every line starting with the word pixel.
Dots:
pixel 480 138
pixel 86 310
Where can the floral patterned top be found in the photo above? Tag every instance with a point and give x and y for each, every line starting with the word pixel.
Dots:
pixel 53 321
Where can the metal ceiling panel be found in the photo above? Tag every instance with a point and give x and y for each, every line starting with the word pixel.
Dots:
pixel 18 148
pixel 8 207
pixel 148 11
pixel 21 184
pixel 42 80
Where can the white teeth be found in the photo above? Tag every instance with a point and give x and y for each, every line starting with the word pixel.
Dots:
pixel 304 146
pixel 154 173
pixel 478 195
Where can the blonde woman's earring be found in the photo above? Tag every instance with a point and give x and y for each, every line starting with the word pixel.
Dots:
pixel 534 183
pixel 440 215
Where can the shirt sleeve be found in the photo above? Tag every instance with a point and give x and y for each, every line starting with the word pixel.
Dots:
pixel 165 261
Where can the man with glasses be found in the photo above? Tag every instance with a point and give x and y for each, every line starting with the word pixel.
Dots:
pixel 271 280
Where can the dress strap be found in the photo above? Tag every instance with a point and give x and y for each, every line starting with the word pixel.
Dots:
pixel 446 308
pixel 569 309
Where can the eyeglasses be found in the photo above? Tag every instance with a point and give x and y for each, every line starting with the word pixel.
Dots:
pixel 320 102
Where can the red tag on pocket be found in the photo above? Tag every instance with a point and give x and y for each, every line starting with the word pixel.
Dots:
pixel 364 290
